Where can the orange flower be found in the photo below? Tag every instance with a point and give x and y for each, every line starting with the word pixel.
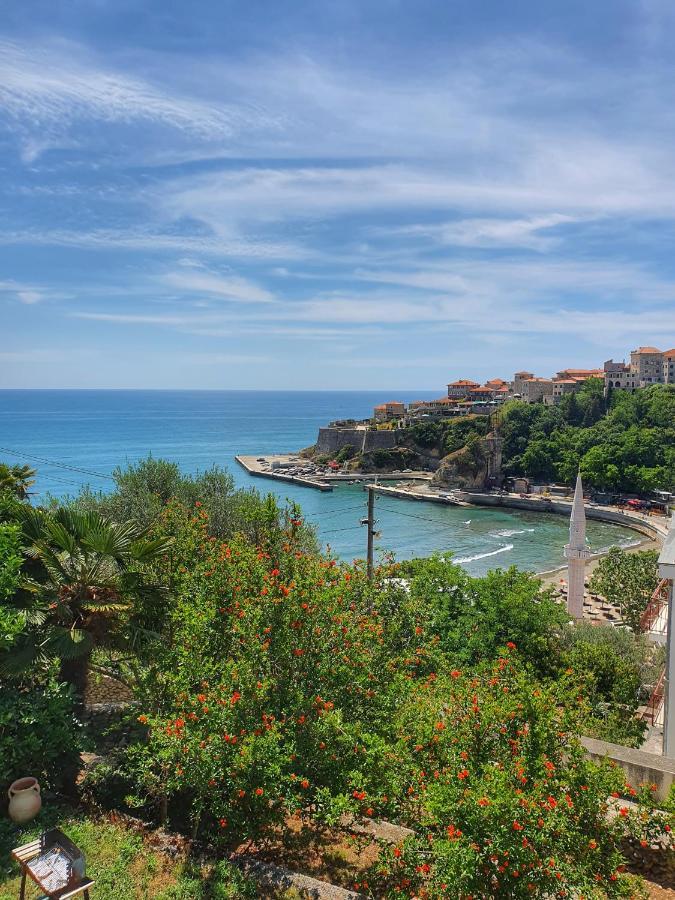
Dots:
pixel 259 792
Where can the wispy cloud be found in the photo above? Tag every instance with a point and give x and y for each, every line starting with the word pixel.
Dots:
pixel 57 84
pixel 25 293
pixel 487 233
pixel 225 287
pixel 151 240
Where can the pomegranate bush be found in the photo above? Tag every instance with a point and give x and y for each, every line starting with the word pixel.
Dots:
pixel 287 682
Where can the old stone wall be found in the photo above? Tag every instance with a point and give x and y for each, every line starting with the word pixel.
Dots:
pixel 104 689
pixel 332 440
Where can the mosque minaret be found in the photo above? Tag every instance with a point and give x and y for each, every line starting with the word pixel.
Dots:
pixel 577 553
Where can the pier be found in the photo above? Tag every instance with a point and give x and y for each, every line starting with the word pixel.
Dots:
pixel 292 468
pixel 262 467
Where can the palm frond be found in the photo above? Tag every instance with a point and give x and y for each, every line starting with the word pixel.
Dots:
pixel 67 643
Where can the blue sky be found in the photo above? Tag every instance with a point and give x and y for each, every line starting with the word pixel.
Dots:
pixel 344 194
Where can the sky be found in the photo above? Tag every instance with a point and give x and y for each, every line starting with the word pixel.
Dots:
pixel 337 194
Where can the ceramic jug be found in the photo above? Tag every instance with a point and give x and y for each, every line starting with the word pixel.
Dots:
pixel 24 800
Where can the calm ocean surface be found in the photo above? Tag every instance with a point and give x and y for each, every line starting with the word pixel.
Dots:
pixel 99 430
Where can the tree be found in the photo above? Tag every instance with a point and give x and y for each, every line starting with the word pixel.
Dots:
pixel 16 480
pixel 627 580
pixel 142 491
pixel 475 617
pixel 11 621
pixel 91 591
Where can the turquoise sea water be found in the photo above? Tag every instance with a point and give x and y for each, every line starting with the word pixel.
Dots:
pixel 99 430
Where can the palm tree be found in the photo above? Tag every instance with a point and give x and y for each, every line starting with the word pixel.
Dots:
pixel 16 480
pixel 91 590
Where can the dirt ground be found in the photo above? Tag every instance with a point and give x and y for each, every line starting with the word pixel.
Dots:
pixel 656 892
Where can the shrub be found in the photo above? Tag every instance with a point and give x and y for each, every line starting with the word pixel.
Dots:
pixel 11 622
pixel 39 735
pixel 502 798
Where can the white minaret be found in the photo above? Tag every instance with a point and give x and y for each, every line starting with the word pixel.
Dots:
pixel 577 553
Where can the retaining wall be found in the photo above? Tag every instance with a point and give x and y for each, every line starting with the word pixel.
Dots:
pixel 644 526
pixel 640 767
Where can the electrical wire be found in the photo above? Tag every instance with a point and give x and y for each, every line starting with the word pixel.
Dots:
pixel 336 530
pixel 434 522
pixel 53 462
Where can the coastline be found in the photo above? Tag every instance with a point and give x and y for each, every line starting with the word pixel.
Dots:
pixel 651 531
pixel 552 576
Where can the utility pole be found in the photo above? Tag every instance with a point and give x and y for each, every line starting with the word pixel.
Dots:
pixel 370 523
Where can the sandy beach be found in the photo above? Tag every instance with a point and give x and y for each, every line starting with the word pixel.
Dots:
pixel 556 575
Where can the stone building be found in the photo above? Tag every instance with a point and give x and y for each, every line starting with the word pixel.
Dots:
pixel 459 390
pixel 518 380
pixel 648 365
pixel 384 412
pixel 535 390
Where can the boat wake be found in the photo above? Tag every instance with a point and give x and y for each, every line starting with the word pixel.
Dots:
pixel 468 559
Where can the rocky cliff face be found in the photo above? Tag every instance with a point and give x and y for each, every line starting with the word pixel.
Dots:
pixel 466 469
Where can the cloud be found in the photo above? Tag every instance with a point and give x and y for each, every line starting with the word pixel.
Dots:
pixel 144 239
pixel 26 293
pixel 228 288
pixel 57 84
pixel 29 297
pixel 487 233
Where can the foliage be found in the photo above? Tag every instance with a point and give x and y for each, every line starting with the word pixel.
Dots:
pixel 16 480
pixel 122 865
pixel 626 444
pixel 39 735
pixel 11 622
pixel 504 801
pixel 268 683
pixel 287 682
pixel 347 452
pixel 627 580
pixel 142 490
pixel 614 665
pixel 474 617
pixel 92 590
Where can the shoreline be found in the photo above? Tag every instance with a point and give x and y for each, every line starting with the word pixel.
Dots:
pixel 551 576
pixel 650 534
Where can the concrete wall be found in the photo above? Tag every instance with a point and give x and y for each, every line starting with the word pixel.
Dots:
pixel 640 767
pixel 644 526
pixel 331 440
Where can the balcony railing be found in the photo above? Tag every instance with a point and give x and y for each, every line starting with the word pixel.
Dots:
pixel 655 617
pixel 654 708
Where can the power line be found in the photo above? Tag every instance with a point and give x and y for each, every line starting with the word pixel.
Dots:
pixel 435 522
pixel 52 462
pixel 335 530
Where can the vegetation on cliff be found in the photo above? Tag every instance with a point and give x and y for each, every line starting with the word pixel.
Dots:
pixel 622 442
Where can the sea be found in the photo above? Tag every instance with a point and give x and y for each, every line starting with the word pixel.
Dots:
pixel 78 437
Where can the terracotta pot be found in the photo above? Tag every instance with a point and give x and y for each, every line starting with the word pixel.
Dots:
pixel 25 801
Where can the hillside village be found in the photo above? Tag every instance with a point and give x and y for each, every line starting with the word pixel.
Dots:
pixel 647 366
